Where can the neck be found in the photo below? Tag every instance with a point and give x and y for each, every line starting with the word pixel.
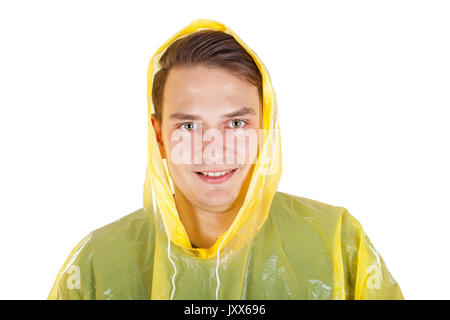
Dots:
pixel 203 225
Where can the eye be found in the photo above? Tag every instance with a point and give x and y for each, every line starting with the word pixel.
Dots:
pixel 188 126
pixel 237 123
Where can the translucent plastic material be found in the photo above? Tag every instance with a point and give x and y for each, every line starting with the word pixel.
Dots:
pixel 279 246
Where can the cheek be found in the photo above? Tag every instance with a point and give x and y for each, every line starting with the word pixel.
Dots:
pixel 180 175
pixel 245 147
pixel 180 148
pixel 180 157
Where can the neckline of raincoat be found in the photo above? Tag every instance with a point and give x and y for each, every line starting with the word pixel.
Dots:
pixel 264 181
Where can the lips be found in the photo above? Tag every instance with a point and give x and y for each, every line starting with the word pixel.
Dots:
pixel 215 176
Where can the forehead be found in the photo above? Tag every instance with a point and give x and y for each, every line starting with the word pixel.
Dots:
pixel 206 90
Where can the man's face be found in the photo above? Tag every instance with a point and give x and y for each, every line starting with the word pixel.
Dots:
pixel 210 125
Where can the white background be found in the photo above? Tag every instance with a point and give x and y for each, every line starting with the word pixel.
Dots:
pixel 363 92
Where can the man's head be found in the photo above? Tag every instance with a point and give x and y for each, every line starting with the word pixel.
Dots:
pixel 208 90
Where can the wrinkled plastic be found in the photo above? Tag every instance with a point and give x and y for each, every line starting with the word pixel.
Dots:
pixel 279 246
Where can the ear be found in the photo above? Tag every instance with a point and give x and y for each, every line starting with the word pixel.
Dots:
pixel 158 132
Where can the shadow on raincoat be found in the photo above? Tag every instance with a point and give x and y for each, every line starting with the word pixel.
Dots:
pixel 279 246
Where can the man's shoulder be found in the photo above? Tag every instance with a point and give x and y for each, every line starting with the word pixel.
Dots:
pixel 136 218
pixel 318 215
pixel 133 228
pixel 106 254
pixel 306 208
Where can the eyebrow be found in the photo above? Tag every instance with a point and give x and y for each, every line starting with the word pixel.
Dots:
pixel 187 116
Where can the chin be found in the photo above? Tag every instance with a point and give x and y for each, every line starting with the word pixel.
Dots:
pixel 217 199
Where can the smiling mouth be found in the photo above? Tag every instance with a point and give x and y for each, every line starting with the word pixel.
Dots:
pixel 215 173
pixel 215 176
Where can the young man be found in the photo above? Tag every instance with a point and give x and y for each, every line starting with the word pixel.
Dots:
pixel 213 225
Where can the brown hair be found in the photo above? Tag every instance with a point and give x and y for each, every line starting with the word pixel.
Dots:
pixel 211 49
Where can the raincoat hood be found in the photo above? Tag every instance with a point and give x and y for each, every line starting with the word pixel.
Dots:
pixel 158 192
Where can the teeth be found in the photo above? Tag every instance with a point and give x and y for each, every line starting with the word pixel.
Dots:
pixel 215 174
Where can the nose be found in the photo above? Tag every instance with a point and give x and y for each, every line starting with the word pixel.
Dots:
pixel 230 147
pixel 214 146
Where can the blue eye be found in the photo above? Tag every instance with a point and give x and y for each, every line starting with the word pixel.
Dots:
pixel 188 126
pixel 237 123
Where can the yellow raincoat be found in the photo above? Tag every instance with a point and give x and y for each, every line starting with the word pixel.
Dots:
pixel 279 246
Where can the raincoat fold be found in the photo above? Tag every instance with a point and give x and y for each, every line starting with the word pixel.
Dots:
pixel 279 246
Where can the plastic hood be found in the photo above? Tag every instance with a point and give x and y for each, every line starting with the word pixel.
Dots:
pixel 158 192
